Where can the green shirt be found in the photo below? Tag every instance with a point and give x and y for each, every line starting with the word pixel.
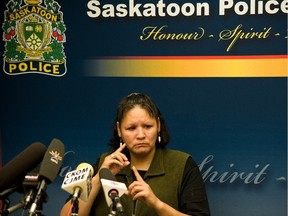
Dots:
pixel 165 177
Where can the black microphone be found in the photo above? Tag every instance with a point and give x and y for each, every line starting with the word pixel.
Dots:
pixel 30 184
pixel 113 190
pixel 14 171
pixel 49 170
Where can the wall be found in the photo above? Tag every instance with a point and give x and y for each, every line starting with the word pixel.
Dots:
pixel 222 90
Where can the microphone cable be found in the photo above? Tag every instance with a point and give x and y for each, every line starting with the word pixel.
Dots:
pixel 70 210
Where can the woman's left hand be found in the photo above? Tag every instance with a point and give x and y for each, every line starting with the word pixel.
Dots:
pixel 140 190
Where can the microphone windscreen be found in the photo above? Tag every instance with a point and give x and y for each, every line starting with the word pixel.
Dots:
pixel 52 161
pixel 82 165
pixel 16 169
pixel 105 173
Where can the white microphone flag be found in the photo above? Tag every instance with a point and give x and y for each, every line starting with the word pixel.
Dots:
pixel 109 185
pixel 80 178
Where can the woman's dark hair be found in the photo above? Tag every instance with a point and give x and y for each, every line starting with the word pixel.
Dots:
pixel 145 102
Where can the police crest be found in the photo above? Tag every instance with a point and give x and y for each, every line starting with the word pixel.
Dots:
pixel 34 34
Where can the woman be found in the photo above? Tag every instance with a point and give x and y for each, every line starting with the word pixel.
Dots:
pixel 159 181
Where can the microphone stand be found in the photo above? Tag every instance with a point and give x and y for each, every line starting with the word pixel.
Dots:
pixel 115 206
pixel 112 210
pixel 5 207
pixel 41 196
pixel 12 209
pixel 75 207
pixel 75 201
pixel 4 197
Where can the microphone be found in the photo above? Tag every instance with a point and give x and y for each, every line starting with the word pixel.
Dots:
pixel 49 170
pixel 14 171
pixel 30 184
pixel 113 190
pixel 78 182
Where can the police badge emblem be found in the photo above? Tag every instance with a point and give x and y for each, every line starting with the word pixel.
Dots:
pixel 34 34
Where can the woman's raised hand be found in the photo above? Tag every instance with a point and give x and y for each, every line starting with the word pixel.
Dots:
pixel 116 161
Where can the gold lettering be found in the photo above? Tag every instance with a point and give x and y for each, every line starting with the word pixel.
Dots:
pixel 54 18
pixel 155 33
pixel 56 69
pixel 34 66
pixel 31 67
pixel 40 67
pixel 17 16
pixel 12 67
pixel 39 9
pixel 22 67
pixel 33 10
pixel 11 17
pixel 47 68
pixel 238 34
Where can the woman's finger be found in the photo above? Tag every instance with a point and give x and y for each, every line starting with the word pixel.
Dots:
pixel 137 175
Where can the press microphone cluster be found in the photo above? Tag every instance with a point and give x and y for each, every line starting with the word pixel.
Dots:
pixel 16 175
pixel 113 190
